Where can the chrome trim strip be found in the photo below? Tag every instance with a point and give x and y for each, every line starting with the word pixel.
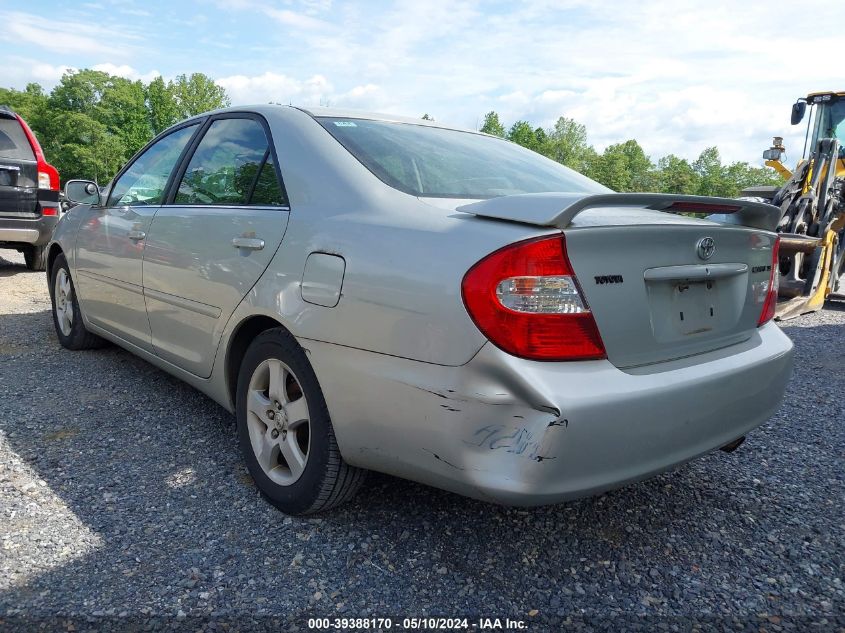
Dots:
pixel 695 272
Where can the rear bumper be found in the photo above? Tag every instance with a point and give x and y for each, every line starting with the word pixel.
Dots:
pixel 527 433
pixel 35 230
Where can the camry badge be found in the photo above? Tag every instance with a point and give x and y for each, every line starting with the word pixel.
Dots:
pixel 706 247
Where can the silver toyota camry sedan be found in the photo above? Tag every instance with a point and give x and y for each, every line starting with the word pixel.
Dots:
pixel 367 292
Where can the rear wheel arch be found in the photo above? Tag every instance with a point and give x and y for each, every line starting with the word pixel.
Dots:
pixel 241 338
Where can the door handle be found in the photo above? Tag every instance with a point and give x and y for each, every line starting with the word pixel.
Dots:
pixel 136 235
pixel 248 243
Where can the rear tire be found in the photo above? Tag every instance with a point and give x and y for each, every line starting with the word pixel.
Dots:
pixel 285 432
pixel 35 257
pixel 67 316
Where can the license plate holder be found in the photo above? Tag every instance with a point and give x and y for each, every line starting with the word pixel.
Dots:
pixel 694 306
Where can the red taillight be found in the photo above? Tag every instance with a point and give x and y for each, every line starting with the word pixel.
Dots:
pixel 48 176
pixel 770 303
pixel 526 300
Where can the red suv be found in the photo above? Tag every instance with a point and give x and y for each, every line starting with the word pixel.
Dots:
pixel 29 191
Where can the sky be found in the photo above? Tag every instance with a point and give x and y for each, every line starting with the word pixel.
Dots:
pixel 676 76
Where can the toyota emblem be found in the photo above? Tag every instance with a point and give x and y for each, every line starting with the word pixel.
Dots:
pixel 706 247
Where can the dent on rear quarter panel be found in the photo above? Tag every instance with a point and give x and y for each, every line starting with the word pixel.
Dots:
pixel 404 259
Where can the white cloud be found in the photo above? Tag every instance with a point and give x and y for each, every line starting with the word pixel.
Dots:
pixel 296 20
pixel 676 76
pixel 276 88
pixel 47 74
pixel 58 36
pixel 124 70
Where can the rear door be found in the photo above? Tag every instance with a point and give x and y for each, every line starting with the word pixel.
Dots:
pixel 111 240
pixel 18 170
pixel 209 245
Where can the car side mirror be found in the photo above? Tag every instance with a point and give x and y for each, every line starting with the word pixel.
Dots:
pixel 798 110
pixel 82 192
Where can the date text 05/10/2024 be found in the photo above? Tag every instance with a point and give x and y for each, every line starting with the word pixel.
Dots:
pixel 418 624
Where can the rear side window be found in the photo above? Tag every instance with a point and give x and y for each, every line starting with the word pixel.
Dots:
pixel 268 190
pixel 146 179
pixel 232 165
pixel 13 141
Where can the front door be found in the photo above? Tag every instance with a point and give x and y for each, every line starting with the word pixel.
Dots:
pixel 209 246
pixel 111 240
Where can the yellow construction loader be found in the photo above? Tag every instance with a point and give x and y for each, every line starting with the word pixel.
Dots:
pixel 812 203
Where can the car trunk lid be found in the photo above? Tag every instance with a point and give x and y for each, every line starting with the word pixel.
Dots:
pixel 656 288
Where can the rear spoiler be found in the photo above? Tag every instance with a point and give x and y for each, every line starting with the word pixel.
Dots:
pixel 559 209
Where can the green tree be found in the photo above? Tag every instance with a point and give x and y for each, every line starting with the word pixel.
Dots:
pixel 426 117
pixel 196 94
pixel 522 134
pixel 81 147
pixel 111 123
pixel 92 122
pixel 30 103
pixel 567 144
pixel 740 175
pixel 161 105
pixel 623 167
pixel 641 176
pixel 676 175
pixel 610 168
pixel 123 110
pixel 711 177
pixel 541 141
pixel 79 91
pixel 492 125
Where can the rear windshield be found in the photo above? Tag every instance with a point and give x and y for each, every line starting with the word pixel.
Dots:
pixel 13 143
pixel 439 163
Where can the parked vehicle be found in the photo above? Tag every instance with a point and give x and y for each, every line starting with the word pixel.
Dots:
pixel 29 191
pixel 369 292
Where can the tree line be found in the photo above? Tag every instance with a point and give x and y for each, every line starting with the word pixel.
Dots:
pixel 92 122
pixel 626 167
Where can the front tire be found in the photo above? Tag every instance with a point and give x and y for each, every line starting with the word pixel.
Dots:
pixel 35 257
pixel 285 432
pixel 67 316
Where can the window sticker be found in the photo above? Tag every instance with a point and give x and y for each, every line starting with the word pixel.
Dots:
pixel 345 124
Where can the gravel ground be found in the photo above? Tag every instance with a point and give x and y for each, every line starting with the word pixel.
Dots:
pixel 124 504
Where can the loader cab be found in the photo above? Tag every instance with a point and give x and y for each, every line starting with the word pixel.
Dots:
pixel 829 119
pixel 826 118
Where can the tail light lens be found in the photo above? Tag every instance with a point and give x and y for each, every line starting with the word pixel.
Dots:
pixel 48 176
pixel 526 300
pixel 43 180
pixel 771 289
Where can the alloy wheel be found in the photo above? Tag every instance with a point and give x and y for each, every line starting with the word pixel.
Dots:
pixel 63 296
pixel 278 422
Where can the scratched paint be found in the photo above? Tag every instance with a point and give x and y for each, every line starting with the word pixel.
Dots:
pixel 520 440
pixel 516 440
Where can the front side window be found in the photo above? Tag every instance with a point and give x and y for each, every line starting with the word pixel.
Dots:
pixel 146 179
pixel 232 165
pixel 442 163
